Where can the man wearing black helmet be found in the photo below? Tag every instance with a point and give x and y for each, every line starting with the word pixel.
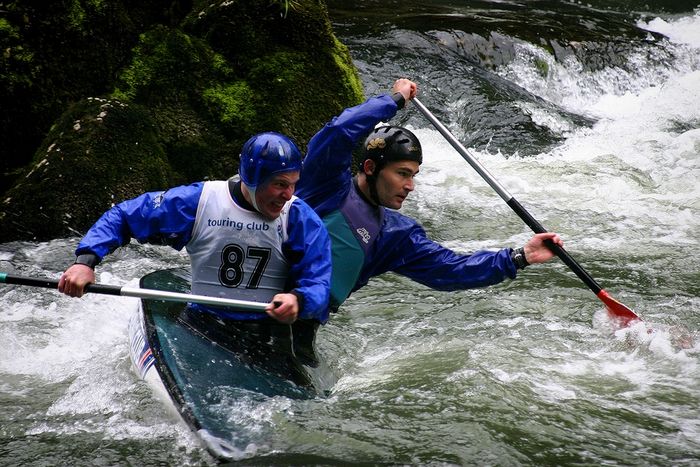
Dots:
pixel 367 239
pixel 247 240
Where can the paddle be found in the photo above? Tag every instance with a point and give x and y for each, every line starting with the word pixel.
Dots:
pixel 615 309
pixel 242 305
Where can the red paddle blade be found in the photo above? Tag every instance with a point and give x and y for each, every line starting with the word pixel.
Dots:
pixel 617 310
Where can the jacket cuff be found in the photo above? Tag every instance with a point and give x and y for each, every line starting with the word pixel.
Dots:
pixel 518 258
pixel 399 99
pixel 300 299
pixel 88 259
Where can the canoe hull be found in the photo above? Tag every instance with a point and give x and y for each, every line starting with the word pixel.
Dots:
pixel 200 379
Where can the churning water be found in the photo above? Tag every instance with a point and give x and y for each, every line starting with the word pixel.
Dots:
pixel 526 372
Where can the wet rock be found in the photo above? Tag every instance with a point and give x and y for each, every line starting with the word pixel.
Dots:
pixel 100 152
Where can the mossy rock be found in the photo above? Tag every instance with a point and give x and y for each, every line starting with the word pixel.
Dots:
pixel 298 73
pixel 206 103
pixel 188 92
pixel 184 97
pixel 58 52
pixel 99 153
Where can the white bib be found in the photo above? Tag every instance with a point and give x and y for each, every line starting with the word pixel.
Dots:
pixel 236 253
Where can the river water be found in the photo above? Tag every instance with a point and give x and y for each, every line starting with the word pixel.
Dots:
pixel 601 143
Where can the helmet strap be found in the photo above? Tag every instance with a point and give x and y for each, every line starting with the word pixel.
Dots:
pixel 251 194
pixel 253 201
pixel 372 181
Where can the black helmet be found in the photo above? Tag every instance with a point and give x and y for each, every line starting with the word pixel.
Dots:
pixel 389 144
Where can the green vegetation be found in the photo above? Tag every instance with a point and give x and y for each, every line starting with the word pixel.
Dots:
pixel 167 94
pixel 7 30
pixel 279 72
pixel 15 57
pixel 286 5
pixel 342 59
pixel 167 64
pixel 231 103
pixel 542 67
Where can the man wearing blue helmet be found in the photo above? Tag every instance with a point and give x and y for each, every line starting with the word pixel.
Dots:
pixel 366 238
pixel 247 240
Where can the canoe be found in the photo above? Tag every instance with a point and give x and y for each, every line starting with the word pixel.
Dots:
pixel 198 363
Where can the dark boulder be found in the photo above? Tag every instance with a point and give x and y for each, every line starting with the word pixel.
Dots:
pixel 98 153
pixel 186 83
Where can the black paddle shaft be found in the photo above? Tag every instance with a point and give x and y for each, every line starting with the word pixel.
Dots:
pixel 509 199
pixel 559 251
pixel 53 284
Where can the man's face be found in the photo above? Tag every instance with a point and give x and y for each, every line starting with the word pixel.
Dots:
pixel 275 192
pixel 395 182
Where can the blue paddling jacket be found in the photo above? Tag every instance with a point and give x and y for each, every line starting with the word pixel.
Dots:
pixel 168 218
pixel 367 240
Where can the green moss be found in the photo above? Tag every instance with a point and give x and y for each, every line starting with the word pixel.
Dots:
pixel 7 30
pixel 120 95
pixel 168 64
pixel 231 103
pixel 194 99
pixel 279 71
pixel 342 59
pixel 221 65
pixel 300 74
pixel 76 15
pixel 15 60
pixel 80 13
pixel 283 78
pixel 542 67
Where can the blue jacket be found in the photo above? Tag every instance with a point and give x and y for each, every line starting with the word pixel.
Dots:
pixel 376 239
pixel 167 218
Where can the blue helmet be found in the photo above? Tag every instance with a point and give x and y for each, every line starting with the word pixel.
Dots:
pixel 266 154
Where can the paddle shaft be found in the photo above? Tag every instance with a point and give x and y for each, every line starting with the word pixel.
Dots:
pixel 509 199
pixel 137 292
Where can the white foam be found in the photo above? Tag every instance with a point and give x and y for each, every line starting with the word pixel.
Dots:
pixel 553 392
pixel 684 30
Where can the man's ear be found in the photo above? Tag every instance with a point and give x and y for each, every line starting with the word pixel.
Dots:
pixel 368 166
